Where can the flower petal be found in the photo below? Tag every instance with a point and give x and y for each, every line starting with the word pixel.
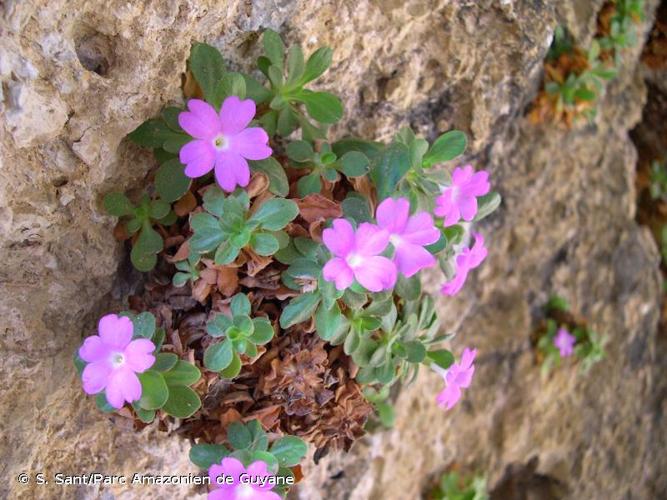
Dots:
pixel 260 469
pixel 467 358
pixel 421 230
pixel 376 274
pixel 447 208
pixel 93 349
pixel 478 252
pixel 461 175
pixel 201 122
pixel 411 259
pixel 95 376
pixel 138 355
pixel 115 331
pixel 339 239
pixel 454 286
pixel 232 467
pixel 230 168
pixel 370 239
pixel 236 114
pixel 198 157
pixel 392 215
pixel 478 184
pixel 464 377
pixel 338 271
pixel 468 207
pixel 123 386
pixel 449 396
pixel 251 143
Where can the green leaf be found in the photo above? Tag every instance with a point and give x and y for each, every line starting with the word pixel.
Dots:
pixel 165 361
pixel 408 288
pixel 386 414
pixel 441 357
pixel 352 342
pixel 295 64
pixel 233 369
pixel 239 436
pixel 309 184
pixel 317 64
pixel 154 391
pixel 264 244
pixel 240 305
pixel 226 253
pixel 255 90
pixel 158 209
pixel 79 363
pixel 146 416
pixel 263 331
pixel 207 233
pixel 231 84
pixel 321 106
pixel 354 164
pixel 205 455
pixel 171 183
pixel 183 402
pixel 183 373
pixel 275 214
pixel 145 249
pixel 328 322
pixel 445 148
pixel 356 207
pixel 289 450
pixel 415 351
pixel 218 356
pixel 259 441
pixel 208 67
pixel 144 325
pixel 220 324
pixel 118 205
pixel 278 183
pixel 287 121
pixel 274 48
pixel 102 403
pixel 389 168
pixel 174 142
pixel 487 204
pixel 158 339
pixel 299 309
pixel 300 151
pixel 151 133
pixel 170 117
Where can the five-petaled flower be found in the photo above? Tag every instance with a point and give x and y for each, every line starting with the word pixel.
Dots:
pixel 457 377
pixel 232 481
pixel 408 235
pixel 459 200
pixel 468 259
pixel 357 256
pixel 221 140
pixel 114 360
pixel 564 341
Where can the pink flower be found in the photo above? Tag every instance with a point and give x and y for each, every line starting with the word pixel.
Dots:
pixel 457 377
pixel 114 359
pixel 222 140
pixel 460 199
pixel 468 259
pixel 233 481
pixel 356 256
pixel 408 235
pixel 564 341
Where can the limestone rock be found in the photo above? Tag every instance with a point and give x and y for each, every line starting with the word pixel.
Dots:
pixel 77 76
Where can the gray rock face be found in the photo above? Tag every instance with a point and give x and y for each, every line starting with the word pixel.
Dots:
pixel 77 76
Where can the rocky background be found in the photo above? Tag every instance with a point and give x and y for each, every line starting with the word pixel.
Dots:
pixel 77 76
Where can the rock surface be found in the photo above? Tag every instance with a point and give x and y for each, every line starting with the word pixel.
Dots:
pixel 78 76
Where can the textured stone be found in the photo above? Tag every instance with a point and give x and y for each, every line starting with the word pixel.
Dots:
pixel 566 226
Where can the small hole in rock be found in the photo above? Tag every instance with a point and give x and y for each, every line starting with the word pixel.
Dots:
pixel 59 182
pixel 95 52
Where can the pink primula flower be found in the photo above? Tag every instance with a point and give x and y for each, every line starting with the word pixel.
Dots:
pixel 221 140
pixel 114 360
pixel 468 259
pixel 459 201
pixel 408 235
pixel 356 256
pixel 564 341
pixel 239 483
pixel 457 377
